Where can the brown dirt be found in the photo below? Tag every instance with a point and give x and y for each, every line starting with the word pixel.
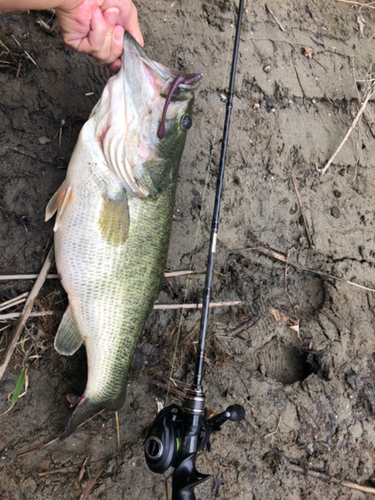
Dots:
pixel 308 391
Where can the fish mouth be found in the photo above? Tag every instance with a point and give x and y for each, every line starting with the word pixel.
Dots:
pixel 163 82
pixel 132 50
pixel 136 64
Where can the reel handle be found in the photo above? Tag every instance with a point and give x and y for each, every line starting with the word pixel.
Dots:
pixel 235 413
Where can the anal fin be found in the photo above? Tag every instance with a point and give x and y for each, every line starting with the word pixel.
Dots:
pixel 68 339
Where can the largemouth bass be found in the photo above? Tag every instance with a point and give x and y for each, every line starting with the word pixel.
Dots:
pixel 114 216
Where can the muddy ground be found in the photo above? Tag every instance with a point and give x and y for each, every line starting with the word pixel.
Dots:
pixel 299 352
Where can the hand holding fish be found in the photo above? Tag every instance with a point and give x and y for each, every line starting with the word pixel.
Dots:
pixel 95 27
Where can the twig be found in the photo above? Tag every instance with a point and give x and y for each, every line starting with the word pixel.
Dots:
pixel 81 473
pixel 302 214
pixel 15 315
pixel 197 306
pixel 13 302
pixel 90 486
pixel 274 432
pixel 26 453
pixel 26 311
pixel 29 57
pixel 275 18
pixel 165 387
pixel 56 471
pixel 352 2
pixel 11 277
pixel 2 44
pixel 246 324
pixel 282 258
pixel 117 432
pixel 25 51
pixel 330 479
pixel 164 307
pixel 181 273
pixel 369 94
pixel 72 466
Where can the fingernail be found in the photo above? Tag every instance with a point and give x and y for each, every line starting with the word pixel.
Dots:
pixel 111 15
pixel 118 33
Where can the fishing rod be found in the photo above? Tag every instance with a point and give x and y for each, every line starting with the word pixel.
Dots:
pixel 179 432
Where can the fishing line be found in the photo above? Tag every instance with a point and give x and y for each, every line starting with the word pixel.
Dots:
pixel 201 211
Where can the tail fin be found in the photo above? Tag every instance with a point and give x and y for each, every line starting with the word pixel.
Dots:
pixel 85 409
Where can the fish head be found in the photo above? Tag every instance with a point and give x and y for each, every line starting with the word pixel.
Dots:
pixel 142 118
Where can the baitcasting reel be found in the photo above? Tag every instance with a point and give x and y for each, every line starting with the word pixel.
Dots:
pixel 164 439
pixel 177 434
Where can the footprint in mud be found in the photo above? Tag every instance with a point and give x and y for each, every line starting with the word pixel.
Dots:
pixel 289 364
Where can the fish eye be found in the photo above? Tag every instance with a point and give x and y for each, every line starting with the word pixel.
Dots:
pixel 186 122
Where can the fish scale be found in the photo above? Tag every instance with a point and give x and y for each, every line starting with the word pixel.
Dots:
pixel 111 238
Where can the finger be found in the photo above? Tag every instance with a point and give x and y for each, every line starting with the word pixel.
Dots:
pixel 130 22
pixel 116 49
pixel 115 66
pixel 99 38
pixel 136 33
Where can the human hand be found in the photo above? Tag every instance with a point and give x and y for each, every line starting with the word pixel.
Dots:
pixel 97 27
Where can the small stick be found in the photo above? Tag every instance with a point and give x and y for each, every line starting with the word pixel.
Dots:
pixel 10 277
pixel 275 18
pixel 19 68
pixel 370 93
pixel 246 324
pixel 117 432
pixel 274 432
pixel 352 2
pixel 90 486
pixel 26 311
pixel 330 479
pixel 172 390
pixel 282 258
pixel 9 316
pixel 197 306
pixel 13 302
pixel 31 59
pixel 181 273
pixel 302 214
pixel 56 471
pixel 26 453
pixel 2 44
pixel 81 472
pixel 163 307
pixel 73 466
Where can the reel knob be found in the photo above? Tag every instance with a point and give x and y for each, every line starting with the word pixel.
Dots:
pixel 234 413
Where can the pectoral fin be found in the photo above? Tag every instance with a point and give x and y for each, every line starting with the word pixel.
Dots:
pixel 58 203
pixel 114 219
pixel 68 339
pixel 155 175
